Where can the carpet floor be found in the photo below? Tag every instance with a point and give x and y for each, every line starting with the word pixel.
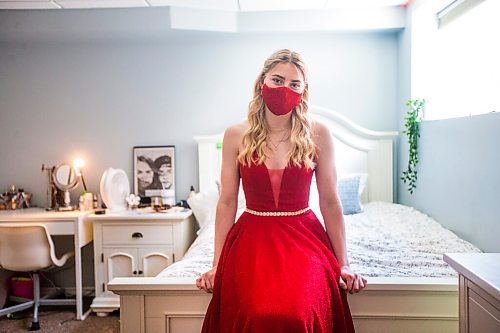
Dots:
pixel 61 321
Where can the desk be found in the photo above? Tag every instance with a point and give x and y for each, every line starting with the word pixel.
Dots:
pixel 60 223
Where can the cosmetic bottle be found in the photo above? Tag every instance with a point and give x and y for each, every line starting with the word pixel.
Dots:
pixel 191 192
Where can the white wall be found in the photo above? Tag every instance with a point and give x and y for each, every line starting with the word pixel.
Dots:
pixel 458 177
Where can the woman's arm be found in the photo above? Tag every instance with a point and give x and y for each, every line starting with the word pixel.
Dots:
pixel 230 182
pixel 227 203
pixel 331 208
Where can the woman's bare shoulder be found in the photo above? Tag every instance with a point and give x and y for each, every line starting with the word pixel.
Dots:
pixel 319 130
pixel 236 131
pixel 233 136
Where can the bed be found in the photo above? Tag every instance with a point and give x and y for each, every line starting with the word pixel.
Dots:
pixel 397 247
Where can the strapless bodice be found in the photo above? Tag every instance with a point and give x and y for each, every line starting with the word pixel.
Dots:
pixel 294 186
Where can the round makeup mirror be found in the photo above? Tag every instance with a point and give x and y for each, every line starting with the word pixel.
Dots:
pixel 65 178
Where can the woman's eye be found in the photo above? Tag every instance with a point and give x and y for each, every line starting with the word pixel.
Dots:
pixel 277 81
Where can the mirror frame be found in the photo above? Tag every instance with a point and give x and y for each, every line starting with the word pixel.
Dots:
pixel 61 186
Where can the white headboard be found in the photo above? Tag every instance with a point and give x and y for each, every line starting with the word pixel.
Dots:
pixel 357 150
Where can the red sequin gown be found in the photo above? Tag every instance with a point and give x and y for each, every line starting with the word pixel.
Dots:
pixel 277 273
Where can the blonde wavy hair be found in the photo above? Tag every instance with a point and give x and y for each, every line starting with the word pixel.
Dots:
pixel 302 149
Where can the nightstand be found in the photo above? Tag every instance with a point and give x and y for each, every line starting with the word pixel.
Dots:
pixel 479 290
pixel 136 244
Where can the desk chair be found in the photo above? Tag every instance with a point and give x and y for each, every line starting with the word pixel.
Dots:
pixel 29 248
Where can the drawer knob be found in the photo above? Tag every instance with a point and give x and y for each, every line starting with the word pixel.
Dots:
pixel 137 235
pixel 134 272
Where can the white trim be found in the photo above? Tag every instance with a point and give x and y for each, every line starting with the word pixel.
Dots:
pixel 455 9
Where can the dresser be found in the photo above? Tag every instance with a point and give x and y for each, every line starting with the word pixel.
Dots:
pixel 136 244
pixel 479 290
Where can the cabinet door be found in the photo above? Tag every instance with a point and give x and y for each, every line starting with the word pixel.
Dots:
pixel 119 262
pixel 154 260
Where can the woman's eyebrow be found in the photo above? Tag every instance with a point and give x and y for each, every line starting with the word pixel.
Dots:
pixel 278 76
pixel 282 77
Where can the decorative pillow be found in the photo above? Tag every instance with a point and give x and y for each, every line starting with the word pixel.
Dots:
pixel 204 204
pixel 363 178
pixel 350 187
pixel 348 190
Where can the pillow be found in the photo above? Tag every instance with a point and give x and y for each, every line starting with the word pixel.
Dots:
pixel 349 190
pixel 241 202
pixel 204 204
pixel 363 177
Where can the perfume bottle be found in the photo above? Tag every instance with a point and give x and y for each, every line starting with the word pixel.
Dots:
pixel 191 192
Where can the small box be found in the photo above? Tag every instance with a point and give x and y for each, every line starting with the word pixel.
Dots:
pixel 21 287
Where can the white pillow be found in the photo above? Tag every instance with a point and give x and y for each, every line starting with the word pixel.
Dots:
pixel 204 204
pixel 241 202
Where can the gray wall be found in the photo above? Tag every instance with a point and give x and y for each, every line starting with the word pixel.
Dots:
pixel 459 171
pixel 96 83
pixel 459 159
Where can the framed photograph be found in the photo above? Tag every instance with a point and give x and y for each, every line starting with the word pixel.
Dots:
pixel 154 172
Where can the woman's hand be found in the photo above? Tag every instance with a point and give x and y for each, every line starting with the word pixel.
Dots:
pixel 206 280
pixel 351 281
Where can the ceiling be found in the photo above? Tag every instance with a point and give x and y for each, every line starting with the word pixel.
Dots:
pixel 233 16
pixel 219 5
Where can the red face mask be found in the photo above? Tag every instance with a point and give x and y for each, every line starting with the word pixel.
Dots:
pixel 280 100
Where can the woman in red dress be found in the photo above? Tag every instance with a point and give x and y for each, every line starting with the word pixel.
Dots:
pixel 277 269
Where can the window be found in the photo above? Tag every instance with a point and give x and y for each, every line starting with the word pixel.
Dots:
pixel 456 66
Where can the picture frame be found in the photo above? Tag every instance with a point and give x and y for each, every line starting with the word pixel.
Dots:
pixel 154 173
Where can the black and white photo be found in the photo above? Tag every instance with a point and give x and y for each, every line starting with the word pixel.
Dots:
pixel 154 172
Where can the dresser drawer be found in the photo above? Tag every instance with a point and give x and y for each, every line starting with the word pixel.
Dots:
pixel 137 234
pixel 483 316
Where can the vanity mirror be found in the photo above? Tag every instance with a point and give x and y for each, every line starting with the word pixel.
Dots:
pixel 65 178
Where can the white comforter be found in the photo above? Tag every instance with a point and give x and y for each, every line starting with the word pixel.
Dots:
pixel 386 239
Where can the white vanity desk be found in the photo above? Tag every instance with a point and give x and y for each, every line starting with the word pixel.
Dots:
pixel 73 223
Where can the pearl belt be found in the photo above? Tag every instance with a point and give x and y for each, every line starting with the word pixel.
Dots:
pixel 297 212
